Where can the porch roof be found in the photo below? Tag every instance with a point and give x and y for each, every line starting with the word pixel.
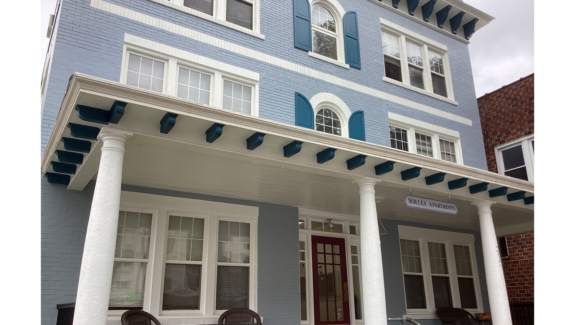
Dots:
pixel 182 159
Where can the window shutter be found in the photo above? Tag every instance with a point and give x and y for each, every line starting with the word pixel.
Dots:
pixel 351 39
pixel 303 112
pixel 356 126
pixel 302 24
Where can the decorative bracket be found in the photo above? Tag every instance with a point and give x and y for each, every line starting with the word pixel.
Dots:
pixel 168 122
pixel 384 168
pixel 63 168
pixel 77 145
pixel 356 162
pixel 214 132
pixel 516 196
pixel 455 21
pixel 469 28
pixel 435 178
pixel 83 131
pixel 395 3
pixel 325 155
pixel 498 192
pixel 410 173
pixel 58 178
pixel 477 188
pixel 427 9
pixel 529 200
pixel 411 6
pixel 255 140
pixel 69 157
pixel 458 183
pixel 293 148
pixel 442 16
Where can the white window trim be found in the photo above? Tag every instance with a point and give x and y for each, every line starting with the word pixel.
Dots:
pixel 350 240
pixel 336 104
pixel 435 132
pixel 174 58
pixel 161 208
pixel 426 44
pixel 220 15
pixel 338 12
pixel 528 155
pixel 423 236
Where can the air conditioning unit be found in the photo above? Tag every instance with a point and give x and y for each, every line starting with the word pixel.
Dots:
pixel 503 249
pixel 50 26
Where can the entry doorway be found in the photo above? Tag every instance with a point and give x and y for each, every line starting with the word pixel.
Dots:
pixel 330 286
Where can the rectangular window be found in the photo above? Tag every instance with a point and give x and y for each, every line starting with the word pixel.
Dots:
pixel 391 56
pixel 237 97
pixel 516 159
pixel 194 86
pixel 240 12
pixel 130 260
pixel 145 73
pixel 302 280
pixel 357 297
pixel 447 150
pixel 415 64
pixel 325 226
pixel 465 276
pixel 412 274
pixel 398 138
pixel 437 73
pixel 183 270
pixel 424 145
pixel 205 6
pixel 233 267
pixel 440 275
pixel 514 162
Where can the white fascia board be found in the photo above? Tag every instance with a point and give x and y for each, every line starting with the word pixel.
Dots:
pixel 423 125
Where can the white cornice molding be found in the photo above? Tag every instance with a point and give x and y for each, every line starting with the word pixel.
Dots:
pixel 81 83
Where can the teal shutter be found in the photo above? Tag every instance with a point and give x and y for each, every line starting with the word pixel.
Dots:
pixel 357 126
pixel 302 25
pixel 351 39
pixel 303 112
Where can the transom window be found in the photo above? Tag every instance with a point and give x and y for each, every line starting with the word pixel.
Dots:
pixel 324 32
pixel 424 144
pixel 145 73
pixel 327 121
pixel 398 138
pixel 194 86
pixel 517 159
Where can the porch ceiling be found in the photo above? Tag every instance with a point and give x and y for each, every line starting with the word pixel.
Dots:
pixel 182 160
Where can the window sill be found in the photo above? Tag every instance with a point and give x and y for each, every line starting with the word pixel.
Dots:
pixel 326 59
pixel 213 19
pixel 421 91
pixel 175 320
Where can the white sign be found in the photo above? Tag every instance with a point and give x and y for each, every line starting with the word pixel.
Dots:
pixel 429 204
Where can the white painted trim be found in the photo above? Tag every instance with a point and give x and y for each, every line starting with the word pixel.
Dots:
pixel 420 124
pixel 405 31
pixel 338 12
pixel 435 234
pixel 329 60
pixel 177 5
pixel 253 54
pixel 528 155
pixel 331 101
pixel 419 90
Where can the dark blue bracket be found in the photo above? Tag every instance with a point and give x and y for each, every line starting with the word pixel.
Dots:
pixel 77 145
pixel 69 157
pixel 395 3
pixel 355 162
pixel 214 132
pixel 498 192
pixel 469 28
pixel 455 21
pixel 325 155
pixel 427 9
pixel 458 183
pixel 58 178
pixel 255 140
pixel 529 200
pixel 516 196
pixel 83 131
pixel 63 168
pixel 411 6
pixel 477 188
pixel 168 122
pixel 292 148
pixel 410 173
pixel 442 16
pixel 384 168
pixel 96 115
pixel 435 178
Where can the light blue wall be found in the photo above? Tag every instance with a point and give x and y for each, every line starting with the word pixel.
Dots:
pixel 90 41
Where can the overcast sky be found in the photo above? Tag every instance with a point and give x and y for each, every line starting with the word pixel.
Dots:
pixel 501 52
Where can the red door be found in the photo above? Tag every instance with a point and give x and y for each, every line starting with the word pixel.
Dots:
pixel 330 298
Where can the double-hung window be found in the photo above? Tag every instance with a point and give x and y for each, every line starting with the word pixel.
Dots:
pixel 415 62
pixel 439 270
pixel 324 32
pixel 516 158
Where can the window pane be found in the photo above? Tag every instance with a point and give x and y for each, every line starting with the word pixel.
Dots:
pixel 134 63
pixel 352 230
pixel 356 292
pixel 436 62
pixel 233 242
pixel 182 286
pixel 232 289
pixel 323 18
pixel 302 290
pixel 146 67
pixel 520 173
pixel 441 292
pixel 437 258
pixel 315 225
pixel 204 6
pixel 410 256
pixel 416 77
pixel 414 291
pixel 180 246
pixel 438 83
pixel 328 121
pixel 237 97
pixel 158 70
pixel 132 79
pixel 324 44
pixel 467 293
pixel 133 239
pixel 513 157
pixel 398 138
pixel 392 68
pixel 390 45
pixel 462 260
pixel 423 144
pixel 239 13
pixel 414 54
pixel 128 281
pixel 447 150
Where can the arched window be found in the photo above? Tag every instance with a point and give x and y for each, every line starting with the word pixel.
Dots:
pixel 327 121
pixel 325 33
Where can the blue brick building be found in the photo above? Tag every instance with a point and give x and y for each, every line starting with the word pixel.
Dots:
pixel 317 161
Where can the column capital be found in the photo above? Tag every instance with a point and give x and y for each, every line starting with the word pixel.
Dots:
pixel 114 139
pixel 366 181
pixel 484 205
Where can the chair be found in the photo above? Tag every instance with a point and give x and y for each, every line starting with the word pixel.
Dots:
pixel 456 316
pixel 240 316
pixel 138 317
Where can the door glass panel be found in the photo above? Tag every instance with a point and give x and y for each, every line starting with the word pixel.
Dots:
pixel 336 249
pixel 328 258
pixel 328 248
pixel 320 258
pixel 330 292
pixel 302 281
pixel 321 292
pixel 320 248
pixel 338 292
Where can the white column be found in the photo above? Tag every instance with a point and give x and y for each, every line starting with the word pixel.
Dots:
pixel 373 288
pixel 98 257
pixel 496 287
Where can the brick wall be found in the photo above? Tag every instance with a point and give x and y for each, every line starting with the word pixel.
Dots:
pixel 507 114
pixel 519 268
